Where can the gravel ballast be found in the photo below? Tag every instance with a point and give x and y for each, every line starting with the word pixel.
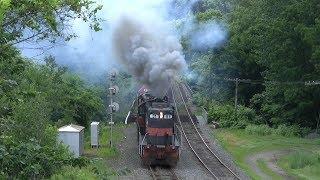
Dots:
pixel 129 166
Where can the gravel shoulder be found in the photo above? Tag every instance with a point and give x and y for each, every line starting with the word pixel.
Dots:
pixel 128 165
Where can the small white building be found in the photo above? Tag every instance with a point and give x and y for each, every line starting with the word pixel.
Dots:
pixel 73 136
pixel 95 134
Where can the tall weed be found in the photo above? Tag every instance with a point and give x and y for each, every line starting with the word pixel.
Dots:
pixel 260 130
pixel 302 159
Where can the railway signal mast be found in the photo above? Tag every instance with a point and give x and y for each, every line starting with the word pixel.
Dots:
pixel 114 107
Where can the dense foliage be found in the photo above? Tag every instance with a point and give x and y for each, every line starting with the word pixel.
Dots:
pixel 228 117
pixel 274 44
pixel 36 98
pixel 36 20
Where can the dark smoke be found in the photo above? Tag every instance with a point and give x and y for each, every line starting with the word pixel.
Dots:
pixel 151 53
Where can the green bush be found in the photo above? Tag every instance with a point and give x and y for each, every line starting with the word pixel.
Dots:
pixel 302 159
pixel 287 131
pixel 27 160
pixel 80 162
pixel 260 130
pixel 24 160
pixel 199 99
pixel 228 117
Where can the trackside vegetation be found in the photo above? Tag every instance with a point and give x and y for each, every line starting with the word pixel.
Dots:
pixel 97 158
pixel 272 52
pixel 302 160
pixel 272 48
pixel 37 98
pixel 304 164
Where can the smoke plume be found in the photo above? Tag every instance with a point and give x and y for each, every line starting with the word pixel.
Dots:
pixel 151 53
pixel 208 35
pixel 149 40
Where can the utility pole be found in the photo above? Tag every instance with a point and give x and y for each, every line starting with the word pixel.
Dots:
pixel 318 120
pixel 236 96
pixel 113 90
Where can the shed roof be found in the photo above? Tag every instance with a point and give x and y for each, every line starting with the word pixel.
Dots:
pixel 71 128
pixel 95 123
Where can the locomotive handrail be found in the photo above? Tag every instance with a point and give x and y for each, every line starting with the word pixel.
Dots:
pixel 144 138
pixel 141 150
pixel 129 113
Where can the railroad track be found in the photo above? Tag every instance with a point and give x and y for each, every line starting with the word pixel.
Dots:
pixel 158 173
pixel 196 142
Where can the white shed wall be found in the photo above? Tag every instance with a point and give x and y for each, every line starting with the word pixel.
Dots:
pixel 94 134
pixel 81 142
pixel 72 140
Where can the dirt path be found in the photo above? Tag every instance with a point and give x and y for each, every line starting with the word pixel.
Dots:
pixel 271 158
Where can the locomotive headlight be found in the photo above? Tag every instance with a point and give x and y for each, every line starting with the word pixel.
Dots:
pixel 154 116
pixel 161 115
pixel 167 116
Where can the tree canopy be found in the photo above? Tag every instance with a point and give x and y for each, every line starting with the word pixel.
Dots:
pixel 37 20
pixel 274 44
pixel 36 98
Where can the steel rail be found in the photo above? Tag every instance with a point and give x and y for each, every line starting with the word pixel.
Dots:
pixel 199 134
pixel 202 137
pixel 177 112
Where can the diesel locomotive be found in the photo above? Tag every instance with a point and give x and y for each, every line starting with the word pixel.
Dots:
pixel 158 137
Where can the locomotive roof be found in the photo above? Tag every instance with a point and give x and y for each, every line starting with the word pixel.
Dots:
pixel 159 108
pixel 161 105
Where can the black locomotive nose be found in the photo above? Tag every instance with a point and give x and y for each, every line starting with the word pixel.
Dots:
pixel 156 133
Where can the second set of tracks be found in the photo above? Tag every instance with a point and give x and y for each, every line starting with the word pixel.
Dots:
pixel 187 122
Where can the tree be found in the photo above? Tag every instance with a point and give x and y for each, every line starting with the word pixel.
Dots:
pixel 270 41
pixel 37 20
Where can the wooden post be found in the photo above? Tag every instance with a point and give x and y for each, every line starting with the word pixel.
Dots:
pixel 318 119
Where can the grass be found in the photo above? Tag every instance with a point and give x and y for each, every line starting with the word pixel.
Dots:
pixel 69 172
pixel 98 168
pixel 302 164
pixel 263 166
pixel 241 145
pixel 105 150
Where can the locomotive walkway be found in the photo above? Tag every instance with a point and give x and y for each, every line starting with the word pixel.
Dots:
pixel 200 148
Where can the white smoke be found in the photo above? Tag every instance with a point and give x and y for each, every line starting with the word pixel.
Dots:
pixel 208 35
pixel 150 52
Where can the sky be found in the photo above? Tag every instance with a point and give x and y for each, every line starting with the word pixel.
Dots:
pixel 91 54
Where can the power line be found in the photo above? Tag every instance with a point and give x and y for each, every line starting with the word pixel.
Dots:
pixel 261 82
